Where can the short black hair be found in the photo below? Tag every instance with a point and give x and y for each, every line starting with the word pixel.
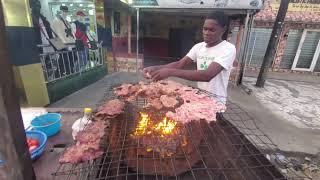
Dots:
pixel 220 17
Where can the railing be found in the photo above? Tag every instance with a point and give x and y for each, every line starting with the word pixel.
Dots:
pixel 61 64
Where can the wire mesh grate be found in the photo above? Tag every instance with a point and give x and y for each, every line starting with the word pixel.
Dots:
pixel 233 147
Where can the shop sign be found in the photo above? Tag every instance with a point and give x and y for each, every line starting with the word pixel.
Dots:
pixel 299 5
pixel 144 3
pixel 218 4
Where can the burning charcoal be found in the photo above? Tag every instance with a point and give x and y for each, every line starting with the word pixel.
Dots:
pixel 156 136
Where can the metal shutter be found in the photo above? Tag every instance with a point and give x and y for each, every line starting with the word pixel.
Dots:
pixel 308 49
pixel 291 48
pixel 258 43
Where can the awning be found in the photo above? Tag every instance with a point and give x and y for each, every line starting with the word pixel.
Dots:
pixel 193 11
pixel 198 4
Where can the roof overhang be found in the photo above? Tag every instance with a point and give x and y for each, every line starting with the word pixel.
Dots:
pixel 198 4
pixel 194 11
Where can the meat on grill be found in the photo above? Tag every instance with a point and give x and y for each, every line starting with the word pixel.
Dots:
pixel 81 152
pixel 92 132
pixel 155 103
pixel 151 90
pixel 125 90
pixel 130 92
pixel 87 146
pixel 111 109
pixel 168 101
pixel 196 107
pixel 169 87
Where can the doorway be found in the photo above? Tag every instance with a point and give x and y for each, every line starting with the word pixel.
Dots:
pixel 180 41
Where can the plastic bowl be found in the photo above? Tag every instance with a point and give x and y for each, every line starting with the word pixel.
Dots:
pixel 41 138
pixel 49 123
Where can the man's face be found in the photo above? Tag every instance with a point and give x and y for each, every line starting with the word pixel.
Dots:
pixel 212 31
pixel 64 14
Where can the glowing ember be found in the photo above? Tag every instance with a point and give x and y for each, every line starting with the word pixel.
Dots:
pixel 158 134
pixel 143 124
pixel 146 126
pixel 166 126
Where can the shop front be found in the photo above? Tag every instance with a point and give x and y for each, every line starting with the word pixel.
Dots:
pixel 299 45
pixel 70 50
pixel 86 6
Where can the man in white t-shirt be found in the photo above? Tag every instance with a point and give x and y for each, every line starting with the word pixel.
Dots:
pixel 214 58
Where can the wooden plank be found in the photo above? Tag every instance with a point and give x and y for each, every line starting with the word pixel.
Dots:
pixel 13 146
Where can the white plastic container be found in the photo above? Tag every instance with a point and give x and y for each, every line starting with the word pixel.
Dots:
pixel 80 124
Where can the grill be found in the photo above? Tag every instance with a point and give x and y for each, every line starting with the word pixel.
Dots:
pixel 232 148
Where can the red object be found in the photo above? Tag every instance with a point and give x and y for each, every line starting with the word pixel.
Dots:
pixel 80 13
pixel 31 148
pixel 82 36
pixel 32 144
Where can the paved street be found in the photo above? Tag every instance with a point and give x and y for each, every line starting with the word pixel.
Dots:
pixel 295 102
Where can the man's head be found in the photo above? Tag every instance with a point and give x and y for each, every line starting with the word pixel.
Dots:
pixel 64 11
pixel 80 15
pixel 214 27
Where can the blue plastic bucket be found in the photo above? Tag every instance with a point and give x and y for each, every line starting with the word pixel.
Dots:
pixel 42 139
pixel 49 123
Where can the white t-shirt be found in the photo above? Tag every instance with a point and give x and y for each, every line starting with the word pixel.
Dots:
pixel 44 38
pixel 224 54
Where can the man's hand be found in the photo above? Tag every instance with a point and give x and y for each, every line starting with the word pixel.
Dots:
pixel 161 74
pixel 148 70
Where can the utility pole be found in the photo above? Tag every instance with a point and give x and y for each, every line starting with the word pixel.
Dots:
pixel 273 43
pixel 15 161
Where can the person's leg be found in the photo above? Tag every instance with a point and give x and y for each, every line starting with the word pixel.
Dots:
pixel 49 68
pixel 81 59
pixel 61 70
pixel 70 61
pixel 66 62
pixel 86 55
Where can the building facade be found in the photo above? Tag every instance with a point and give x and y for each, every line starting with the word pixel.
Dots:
pixel 299 45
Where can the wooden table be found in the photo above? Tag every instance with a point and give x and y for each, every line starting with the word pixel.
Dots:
pixel 48 162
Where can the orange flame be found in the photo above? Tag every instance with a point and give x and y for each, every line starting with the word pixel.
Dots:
pixel 166 126
pixel 145 126
pixel 142 125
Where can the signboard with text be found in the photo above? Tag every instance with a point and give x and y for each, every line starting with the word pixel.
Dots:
pixel 299 5
pixel 218 4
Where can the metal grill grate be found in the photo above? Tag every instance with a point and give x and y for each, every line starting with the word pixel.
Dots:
pixel 231 148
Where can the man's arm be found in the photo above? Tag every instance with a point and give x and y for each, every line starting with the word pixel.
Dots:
pixel 174 65
pixel 192 75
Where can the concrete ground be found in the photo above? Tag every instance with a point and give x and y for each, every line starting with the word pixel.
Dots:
pixel 287 76
pixel 295 102
pixel 285 133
